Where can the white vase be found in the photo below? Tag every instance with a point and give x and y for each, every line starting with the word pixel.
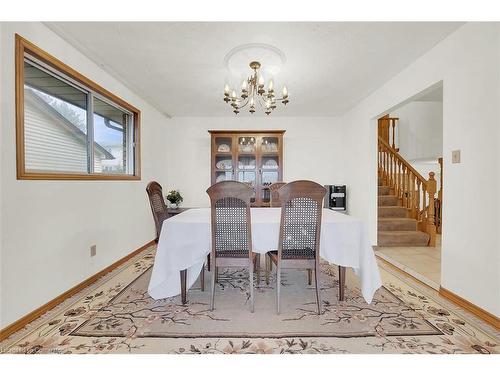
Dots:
pixel 174 205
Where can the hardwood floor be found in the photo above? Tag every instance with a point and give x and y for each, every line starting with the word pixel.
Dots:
pixel 423 263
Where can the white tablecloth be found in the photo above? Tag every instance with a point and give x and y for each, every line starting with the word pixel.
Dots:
pixel 185 241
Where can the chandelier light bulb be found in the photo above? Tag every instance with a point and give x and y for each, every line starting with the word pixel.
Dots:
pixel 271 86
pixel 226 89
pixel 244 85
pixel 233 95
pixel 285 92
pixel 252 102
pixel 261 81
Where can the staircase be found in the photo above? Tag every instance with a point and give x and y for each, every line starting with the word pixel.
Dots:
pixel 406 200
pixel 395 227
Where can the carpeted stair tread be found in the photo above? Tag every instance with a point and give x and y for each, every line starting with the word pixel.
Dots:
pixel 402 238
pixel 388 200
pixel 384 190
pixel 397 224
pixel 392 211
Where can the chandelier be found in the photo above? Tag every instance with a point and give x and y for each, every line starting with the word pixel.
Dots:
pixel 253 94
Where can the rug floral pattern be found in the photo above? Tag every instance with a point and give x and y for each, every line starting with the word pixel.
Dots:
pixel 57 331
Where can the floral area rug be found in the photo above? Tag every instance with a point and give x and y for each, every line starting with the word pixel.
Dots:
pixel 116 315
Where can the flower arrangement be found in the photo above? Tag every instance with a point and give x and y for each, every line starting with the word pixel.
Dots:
pixel 174 197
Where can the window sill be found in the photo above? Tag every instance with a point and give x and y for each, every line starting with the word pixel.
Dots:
pixel 82 177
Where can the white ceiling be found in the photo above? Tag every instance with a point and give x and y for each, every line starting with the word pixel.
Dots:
pixel 179 66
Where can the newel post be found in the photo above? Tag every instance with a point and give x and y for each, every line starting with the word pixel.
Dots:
pixel 431 219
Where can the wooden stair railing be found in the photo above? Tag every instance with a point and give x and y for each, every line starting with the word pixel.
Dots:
pixel 387 130
pixel 413 191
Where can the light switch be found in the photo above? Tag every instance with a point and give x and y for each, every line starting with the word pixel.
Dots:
pixel 455 156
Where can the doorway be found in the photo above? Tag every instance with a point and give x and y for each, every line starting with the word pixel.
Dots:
pixel 410 191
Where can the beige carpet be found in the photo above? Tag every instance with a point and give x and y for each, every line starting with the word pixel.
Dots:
pixel 133 309
pixel 116 315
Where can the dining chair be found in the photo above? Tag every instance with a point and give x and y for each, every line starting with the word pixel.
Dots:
pixel 276 202
pixel 160 214
pixel 158 206
pixel 300 228
pixel 231 230
pixel 273 189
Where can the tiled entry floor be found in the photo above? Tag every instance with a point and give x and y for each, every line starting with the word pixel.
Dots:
pixel 423 263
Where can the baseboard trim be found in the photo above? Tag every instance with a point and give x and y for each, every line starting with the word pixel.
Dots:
pixel 476 310
pixel 18 324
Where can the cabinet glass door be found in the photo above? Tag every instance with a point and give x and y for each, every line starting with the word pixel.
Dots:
pixel 269 165
pixel 223 145
pixel 269 145
pixel 246 144
pixel 247 171
pixel 223 168
pixel 269 175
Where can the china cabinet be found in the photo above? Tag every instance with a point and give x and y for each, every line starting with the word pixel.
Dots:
pixel 253 157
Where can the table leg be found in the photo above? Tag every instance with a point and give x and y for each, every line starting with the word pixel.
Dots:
pixel 341 283
pixel 183 286
pixel 202 278
pixel 257 261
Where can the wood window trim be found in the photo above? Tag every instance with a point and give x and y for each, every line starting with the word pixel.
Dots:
pixel 24 46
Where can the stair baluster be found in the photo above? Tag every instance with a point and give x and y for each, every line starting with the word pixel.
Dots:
pixel 418 200
pixel 431 220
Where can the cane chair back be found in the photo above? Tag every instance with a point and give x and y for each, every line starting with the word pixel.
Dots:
pixel 158 206
pixel 231 230
pixel 230 203
pixel 273 189
pixel 300 228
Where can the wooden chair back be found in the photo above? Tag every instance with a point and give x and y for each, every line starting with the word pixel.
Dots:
pixel 230 217
pixel 158 206
pixel 300 227
pixel 273 190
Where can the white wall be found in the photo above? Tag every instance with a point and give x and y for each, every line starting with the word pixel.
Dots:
pixel 312 150
pixel 468 62
pixel 47 227
pixel 420 130
pixel 1 179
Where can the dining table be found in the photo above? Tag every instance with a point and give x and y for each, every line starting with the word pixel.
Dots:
pixel 185 241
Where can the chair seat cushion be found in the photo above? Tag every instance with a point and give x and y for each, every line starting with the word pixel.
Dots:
pixel 306 253
pixel 234 254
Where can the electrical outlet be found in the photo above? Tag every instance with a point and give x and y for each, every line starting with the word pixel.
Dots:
pixel 93 250
pixel 455 156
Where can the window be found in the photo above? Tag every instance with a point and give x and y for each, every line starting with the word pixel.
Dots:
pixel 67 126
